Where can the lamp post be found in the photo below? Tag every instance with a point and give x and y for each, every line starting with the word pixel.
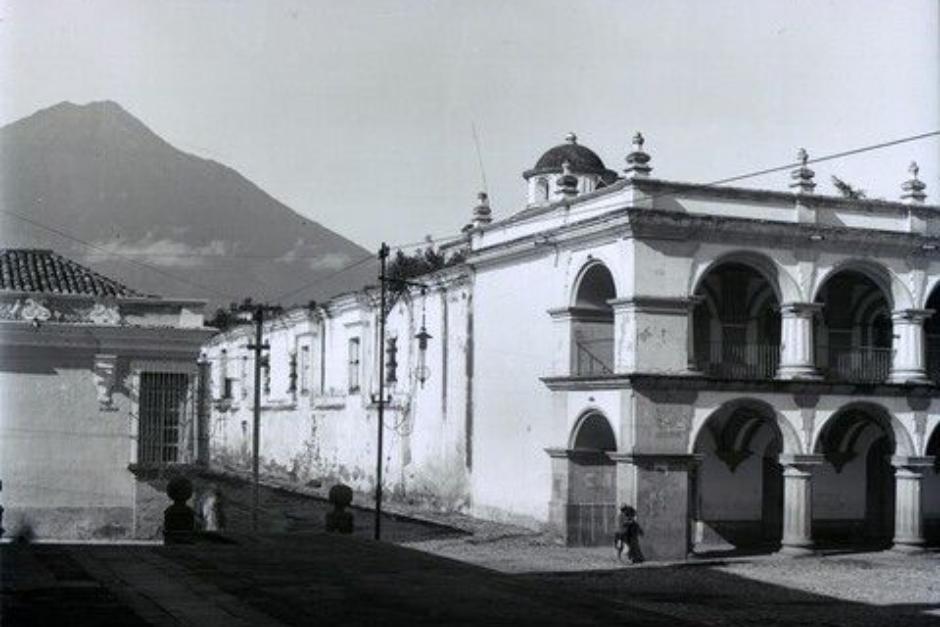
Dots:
pixel 423 336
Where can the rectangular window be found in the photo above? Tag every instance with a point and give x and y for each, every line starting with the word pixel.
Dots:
pixel 164 407
pixel 354 364
pixel 228 389
pixel 304 369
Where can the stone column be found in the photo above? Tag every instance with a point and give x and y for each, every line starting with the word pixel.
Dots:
pixel 909 355
pixel 658 486
pixel 651 334
pixel 558 505
pixel 798 503
pixel 908 507
pixel 563 323
pixel 796 341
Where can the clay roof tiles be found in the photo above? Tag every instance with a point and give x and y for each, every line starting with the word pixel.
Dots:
pixel 37 270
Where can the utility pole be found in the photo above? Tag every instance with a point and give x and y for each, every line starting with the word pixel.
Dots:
pixel 383 258
pixel 257 347
pixel 380 399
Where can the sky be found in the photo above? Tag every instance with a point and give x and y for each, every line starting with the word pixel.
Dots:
pixel 361 114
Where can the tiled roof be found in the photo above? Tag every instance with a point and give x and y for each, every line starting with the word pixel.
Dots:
pixel 34 270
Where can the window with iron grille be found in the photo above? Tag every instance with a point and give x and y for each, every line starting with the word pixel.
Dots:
pixel 354 364
pixel 165 408
pixel 304 369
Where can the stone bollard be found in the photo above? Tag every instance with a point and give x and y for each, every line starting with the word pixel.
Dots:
pixel 339 520
pixel 212 510
pixel 179 520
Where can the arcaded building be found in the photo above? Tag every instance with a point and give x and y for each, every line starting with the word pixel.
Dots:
pixel 747 367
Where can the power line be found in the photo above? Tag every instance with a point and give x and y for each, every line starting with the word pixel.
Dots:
pixel 141 264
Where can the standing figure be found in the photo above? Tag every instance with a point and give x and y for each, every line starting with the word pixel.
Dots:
pixel 629 535
pixel 211 510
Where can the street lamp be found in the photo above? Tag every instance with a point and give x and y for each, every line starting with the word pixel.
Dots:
pixel 385 307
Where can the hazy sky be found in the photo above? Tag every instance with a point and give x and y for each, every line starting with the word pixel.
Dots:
pixel 359 114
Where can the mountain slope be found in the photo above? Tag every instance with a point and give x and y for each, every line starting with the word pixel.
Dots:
pixel 96 173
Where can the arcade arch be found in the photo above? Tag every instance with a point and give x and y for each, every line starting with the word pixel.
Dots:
pixel 592 321
pixel 736 323
pixel 738 484
pixel 853 333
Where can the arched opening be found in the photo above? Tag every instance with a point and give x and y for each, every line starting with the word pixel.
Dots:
pixel 594 433
pixel 541 190
pixel 854 332
pixel 931 489
pixel 736 324
pixel 932 336
pixel 739 483
pixel 592 482
pixel 853 493
pixel 592 319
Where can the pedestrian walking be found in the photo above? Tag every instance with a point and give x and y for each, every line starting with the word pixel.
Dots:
pixel 629 535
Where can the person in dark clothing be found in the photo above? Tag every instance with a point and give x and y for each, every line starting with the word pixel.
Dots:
pixel 629 535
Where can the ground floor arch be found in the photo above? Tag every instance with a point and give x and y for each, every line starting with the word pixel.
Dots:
pixel 738 482
pixel 931 489
pixel 854 487
pixel 584 483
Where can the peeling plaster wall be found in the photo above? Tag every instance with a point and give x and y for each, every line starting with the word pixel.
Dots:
pixel 328 432
pixel 63 460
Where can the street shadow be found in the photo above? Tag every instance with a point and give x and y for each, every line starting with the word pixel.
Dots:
pixel 701 591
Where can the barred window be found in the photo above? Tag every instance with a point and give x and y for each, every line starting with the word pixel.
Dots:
pixel 304 369
pixel 165 406
pixel 354 364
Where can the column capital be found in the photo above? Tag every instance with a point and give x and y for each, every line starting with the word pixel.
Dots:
pixel 793 308
pixel 677 461
pixel 680 305
pixel 801 462
pixel 913 464
pixel 911 315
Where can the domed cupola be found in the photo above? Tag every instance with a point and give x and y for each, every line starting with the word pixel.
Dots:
pixel 583 164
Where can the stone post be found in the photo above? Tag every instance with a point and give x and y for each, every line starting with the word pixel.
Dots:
pixel 659 486
pixel 798 503
pixel 909 355
pixel 796 341
pixel 562 323
pixel 558 505
pixel 908 508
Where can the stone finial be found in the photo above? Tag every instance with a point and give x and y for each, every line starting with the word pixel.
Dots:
pixel 339 520
pixel 482 214
pixel 638 160
pixel 802 176
pixel 571 138
pixel 179 520
pixel 567 182
pixel 638 141
pixel 914 188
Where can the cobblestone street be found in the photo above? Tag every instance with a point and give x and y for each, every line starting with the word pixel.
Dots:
pixel 474 572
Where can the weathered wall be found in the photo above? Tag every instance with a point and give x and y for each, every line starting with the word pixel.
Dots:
pixel 62 459
pixel 324 431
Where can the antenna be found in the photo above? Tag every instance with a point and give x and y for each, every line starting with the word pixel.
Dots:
pixel 476 142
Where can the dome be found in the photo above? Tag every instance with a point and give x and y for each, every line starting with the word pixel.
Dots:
pixel 583 160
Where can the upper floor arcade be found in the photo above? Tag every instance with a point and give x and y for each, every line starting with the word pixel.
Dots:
pixel 751 315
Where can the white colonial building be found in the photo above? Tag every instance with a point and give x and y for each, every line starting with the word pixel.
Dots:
pixel 744 366
pixel 99 393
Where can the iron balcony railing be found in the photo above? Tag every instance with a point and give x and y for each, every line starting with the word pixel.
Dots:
pixel 725 360
pixel 594 358
pixel 862 364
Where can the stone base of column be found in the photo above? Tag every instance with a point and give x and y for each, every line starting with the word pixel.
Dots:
pixel 918 377
pixel 796 550
pixel 909 546
pixel 800 372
